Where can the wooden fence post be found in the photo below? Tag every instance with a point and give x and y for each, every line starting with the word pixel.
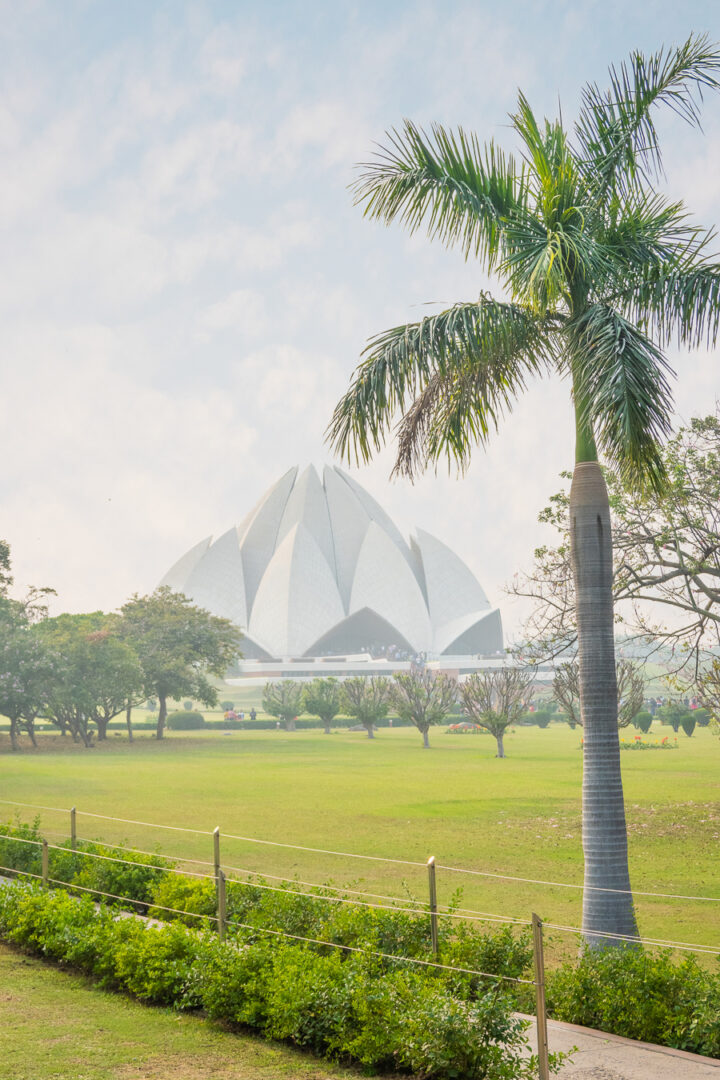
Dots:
pixel 216 851
pixel 539 958
pixel 221 906
pixel 433 906
pixel 45 864
pixel 73 829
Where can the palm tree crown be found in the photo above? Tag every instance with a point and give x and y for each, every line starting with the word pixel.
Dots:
pixel 603 272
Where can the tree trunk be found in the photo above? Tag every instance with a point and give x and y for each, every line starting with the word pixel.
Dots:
pixel 128 721
pixel 426 740
pixel 290 723
pixel 500 747
pixel 604 829
pixel 102 725
pixel 371 733
pixel 162 717
pixel 327 729
pixel 30 728
pixel 14 734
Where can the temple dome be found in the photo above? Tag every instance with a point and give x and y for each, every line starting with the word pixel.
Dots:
pixel 319 568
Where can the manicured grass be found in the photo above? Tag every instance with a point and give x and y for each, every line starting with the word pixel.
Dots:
pixel 57 1026
pixel 389 797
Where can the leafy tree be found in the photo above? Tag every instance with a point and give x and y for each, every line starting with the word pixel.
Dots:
pixel 496 699
pixel 423 698
pixel 283 699
pixel 28 671
pixel 602 272
pixel 322 698
pixel 643 721
pixel 366 699
pixel 179 646
pixel 630 685
pixel 666 557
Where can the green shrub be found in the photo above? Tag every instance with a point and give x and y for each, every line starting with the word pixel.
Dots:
pixel 542 718
pixel 643 721
pixel 688 724
pixel 339 1004
pixel 185 721
pixel 641 995
pixel 135 878
pixel 702 716
pixel 20 846
pixel 227 705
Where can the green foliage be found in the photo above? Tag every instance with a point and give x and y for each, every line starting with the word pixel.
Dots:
pixel 185 721
pixel 642 995
pixel 542 718
pixel 111 870
pixel 702 717
pixel 341 1005
pixel 187 705
pixel 688 724
pixel 228 706
pixel 673 714
pixel 283 699
pixel 643 721
pixel 322 698
pixel 16 855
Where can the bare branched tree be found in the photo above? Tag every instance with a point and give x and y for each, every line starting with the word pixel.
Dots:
pixel 631 691
pixel 496 699
pixel 424 698
pixel 666 558
pixel 366 699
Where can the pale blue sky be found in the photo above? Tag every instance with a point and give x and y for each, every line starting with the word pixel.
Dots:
pixel 188 286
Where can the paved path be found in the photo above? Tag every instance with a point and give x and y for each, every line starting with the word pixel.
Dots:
pixel 611 1057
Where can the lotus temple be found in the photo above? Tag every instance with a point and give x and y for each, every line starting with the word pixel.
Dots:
pixel 319 570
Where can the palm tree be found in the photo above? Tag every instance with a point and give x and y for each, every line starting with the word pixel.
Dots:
pixel 602 272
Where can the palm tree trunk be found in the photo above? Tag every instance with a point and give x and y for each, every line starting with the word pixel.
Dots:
pixel 604 829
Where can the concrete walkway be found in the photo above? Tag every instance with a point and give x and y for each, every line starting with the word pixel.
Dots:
pixel 611 1057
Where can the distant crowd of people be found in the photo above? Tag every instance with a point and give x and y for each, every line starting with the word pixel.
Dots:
pixel 231 714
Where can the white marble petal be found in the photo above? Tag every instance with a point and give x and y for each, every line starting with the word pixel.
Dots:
pixel 259 540
pixel 297 600
pixel 218 583
pixel 349 521
pixel 385 583
pixel 178 574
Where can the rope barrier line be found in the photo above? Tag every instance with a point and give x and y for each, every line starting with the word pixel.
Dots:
pixel 153 854
pixel 378 907
pixel 567 885
pixel 387 956
pixel 24 873
pixel 375 858
pixel 634 939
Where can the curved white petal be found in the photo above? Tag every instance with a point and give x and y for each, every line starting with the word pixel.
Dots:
pixel 385 583
pixel 178 574
pixel 297 600
pixel 218 583
pixel 308 506
pixel 349 522
pixel 260 537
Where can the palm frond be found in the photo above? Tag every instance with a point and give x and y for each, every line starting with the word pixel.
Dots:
pixel 677 304
pixel 616 134
pixel 620 383
pixel 486 346
pixel 461 192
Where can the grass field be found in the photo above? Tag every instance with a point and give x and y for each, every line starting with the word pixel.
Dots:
pixel 57 1026
pixel 389 798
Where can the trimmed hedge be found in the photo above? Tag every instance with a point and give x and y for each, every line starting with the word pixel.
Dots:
pixel 185 720
pixel 342 1005
pixel 642 995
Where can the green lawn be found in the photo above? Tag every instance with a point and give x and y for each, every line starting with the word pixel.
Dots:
pixel 389 797
pixel 57 1026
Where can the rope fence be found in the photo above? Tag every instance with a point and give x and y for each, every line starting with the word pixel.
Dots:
pixel 330 894
pixel 358 855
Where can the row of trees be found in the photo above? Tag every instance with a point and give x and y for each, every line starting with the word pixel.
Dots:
pixel 81 671
pixel 493 700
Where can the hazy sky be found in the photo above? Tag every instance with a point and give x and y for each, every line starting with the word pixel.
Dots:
pixel 187 286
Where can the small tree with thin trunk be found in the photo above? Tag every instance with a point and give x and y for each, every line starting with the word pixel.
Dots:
pixel 367 700
pixel 496 699
pixel 283 699
pixel 630 684
pixel 322 699
pixel 424 698
pixel 179 645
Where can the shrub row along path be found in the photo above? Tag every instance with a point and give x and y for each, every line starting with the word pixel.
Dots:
pixel 597 1056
